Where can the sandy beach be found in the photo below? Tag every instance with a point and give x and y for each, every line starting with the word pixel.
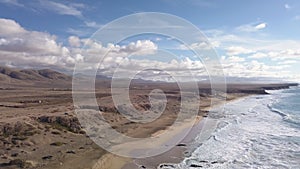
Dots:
pixel 174 155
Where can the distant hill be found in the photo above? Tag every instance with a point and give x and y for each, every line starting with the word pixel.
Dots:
pixel 50 74
pixel 31 74
pixel 19 77
pixel 47 78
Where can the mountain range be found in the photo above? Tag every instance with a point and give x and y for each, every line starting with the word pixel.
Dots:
pixel 31 74
pixel 21 77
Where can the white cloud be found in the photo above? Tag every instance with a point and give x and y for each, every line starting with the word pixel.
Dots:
pixel 291 52
pixel 276 55
pixel 17 39
pixel 10 27
pixel 78 5
pixel 235 59
pixel 259 44
pixel 273 54
pixel 235 68
pixel 288 62
pixel 185 68
pixel 287 6
pixel 252 27
pixel 260 26
pixel 226 40
pixel 93 24
pixel 141 47
pixel 280 57
pixel 31 48
pixel 21 47
pixel 236 50
pixel 200 46
pixel 94 50
pixel 74 41
pixel 62 9
pixel 258 55
pixel 12 2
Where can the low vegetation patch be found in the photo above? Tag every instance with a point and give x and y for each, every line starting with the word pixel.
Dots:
pixel 18 130
pixel 57 143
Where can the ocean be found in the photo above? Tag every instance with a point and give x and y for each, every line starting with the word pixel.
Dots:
pixel 261 131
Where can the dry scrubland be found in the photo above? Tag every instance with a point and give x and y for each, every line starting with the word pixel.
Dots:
pixel 38 127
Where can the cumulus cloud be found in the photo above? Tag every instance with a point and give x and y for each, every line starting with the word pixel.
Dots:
pixel 140 47
pixel 14 38
pixel 10 28
pixel 74 41
pixel 95 50
pixel 21 47
pixel 237 67
pixel 184 68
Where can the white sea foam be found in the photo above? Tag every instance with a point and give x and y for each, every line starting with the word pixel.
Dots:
pixel 248 135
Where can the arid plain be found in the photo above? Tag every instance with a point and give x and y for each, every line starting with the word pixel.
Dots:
pixel 39 129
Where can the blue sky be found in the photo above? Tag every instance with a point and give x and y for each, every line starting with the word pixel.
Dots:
pixel 214 14
pixel 250 36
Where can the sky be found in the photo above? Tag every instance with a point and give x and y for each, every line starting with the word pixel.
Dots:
pixel 252 38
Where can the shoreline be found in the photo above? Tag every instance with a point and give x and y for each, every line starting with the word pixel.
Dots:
pixel 249 133
pixel 174 155
pixel 50 114
pixel 178 153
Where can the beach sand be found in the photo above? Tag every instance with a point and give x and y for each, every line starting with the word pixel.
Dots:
pixel 175 154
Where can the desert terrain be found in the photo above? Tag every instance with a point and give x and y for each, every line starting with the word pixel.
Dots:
pixel 39 129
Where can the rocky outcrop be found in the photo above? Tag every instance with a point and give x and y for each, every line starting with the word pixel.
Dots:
pixel 258 88
pixel 247 91
pixel 62 122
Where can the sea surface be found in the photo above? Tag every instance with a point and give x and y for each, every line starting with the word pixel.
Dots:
pixel 259 132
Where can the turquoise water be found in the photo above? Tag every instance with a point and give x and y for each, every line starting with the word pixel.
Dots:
pixel 261 131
